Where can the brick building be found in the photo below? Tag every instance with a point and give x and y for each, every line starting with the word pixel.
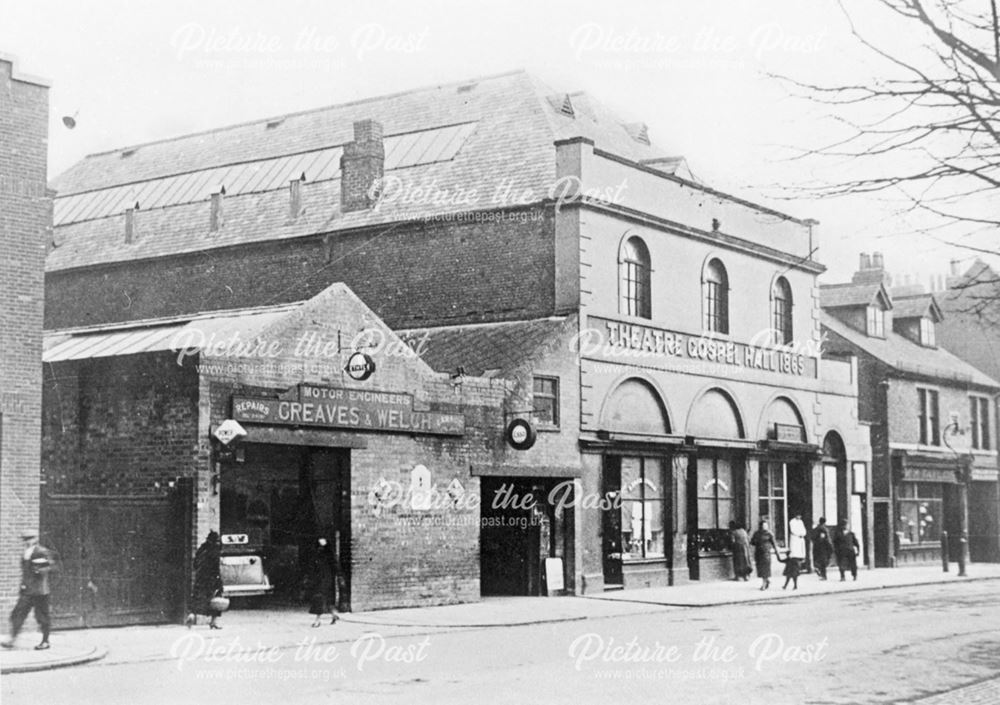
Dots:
pixel 971 327
pixel 25 220
pixel 932 417
pixel 543 257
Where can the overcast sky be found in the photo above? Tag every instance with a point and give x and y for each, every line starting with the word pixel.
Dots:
pixel 695 72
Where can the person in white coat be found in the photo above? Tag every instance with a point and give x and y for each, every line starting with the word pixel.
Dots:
pixel 796 550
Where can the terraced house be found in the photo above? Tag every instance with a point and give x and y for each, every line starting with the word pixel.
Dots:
pixel 933 420
pixel 610 360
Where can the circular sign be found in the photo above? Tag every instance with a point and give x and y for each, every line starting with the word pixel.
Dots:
pixel 521 434
pixel 360 366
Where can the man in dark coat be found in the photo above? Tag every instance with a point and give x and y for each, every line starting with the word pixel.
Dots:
pixel 822 547
pixel 36 564
pixel 846 548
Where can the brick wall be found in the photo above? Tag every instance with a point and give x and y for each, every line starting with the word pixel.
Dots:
pixel 119 426
pixel 25 219
pixel 399 557
pixel 417 274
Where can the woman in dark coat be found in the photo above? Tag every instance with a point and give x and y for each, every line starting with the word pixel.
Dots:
pixel 741 551
pixel 763 543
pixel 207 581
pixel 822 547
pixel 323 582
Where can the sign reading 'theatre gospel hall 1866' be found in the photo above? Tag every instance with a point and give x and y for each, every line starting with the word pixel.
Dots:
pixel 328 407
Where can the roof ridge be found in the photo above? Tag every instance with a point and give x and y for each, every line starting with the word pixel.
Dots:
pixel 483 324
pixel 308 111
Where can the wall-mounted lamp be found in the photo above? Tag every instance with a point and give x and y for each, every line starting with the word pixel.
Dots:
pixel 70 120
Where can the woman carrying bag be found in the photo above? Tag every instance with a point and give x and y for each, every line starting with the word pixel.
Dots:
pixel 206 595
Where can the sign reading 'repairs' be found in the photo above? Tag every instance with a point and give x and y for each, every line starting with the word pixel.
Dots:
pixel 348 408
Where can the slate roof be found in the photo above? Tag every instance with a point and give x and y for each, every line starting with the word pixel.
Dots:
pixel 917 306
pixel 509 138
pixel 837 295
pixel 906 356
pixel 482 348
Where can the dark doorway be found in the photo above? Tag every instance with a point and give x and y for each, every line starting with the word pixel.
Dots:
pixel 516 534
pixel 283 498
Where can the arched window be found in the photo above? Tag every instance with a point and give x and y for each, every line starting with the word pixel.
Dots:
pixel 634 267
pixel 716 297
pixel 781 311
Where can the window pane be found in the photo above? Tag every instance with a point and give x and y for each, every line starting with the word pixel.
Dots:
pixel 654 533
pixel 631 478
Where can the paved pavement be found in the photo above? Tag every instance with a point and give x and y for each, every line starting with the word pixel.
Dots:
pixel 251 629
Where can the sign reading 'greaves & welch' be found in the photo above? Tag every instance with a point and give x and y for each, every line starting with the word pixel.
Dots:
pixel 613 339
pixel 329 407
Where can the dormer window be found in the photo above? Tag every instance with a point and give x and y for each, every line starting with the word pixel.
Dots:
pixel 927 333
pixel 876 322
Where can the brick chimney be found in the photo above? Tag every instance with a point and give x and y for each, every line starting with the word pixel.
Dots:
pixel 871 270
pixel 361 166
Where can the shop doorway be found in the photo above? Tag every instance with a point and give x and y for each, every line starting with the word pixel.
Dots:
pixel 518 531
pixel 275 504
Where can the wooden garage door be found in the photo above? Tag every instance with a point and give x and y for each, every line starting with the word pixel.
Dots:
pixel 121 560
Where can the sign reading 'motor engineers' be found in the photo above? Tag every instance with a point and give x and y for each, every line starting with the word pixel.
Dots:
pixel 344 408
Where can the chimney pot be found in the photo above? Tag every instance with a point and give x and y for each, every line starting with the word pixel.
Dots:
pixel 863 262
pixel 877 262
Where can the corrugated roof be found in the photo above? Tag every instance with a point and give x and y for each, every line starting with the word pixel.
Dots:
pixel 511 144
pixel 482 348
pixel 401 152
pixel 156 336
pixel 906 356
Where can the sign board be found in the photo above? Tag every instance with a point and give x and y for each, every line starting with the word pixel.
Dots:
pixel 554 574
pixel 360 366
pixel 329 407
pixel 235 539
pixel 521 434
pixel 228 431
pixel 788 433
pixel 627 343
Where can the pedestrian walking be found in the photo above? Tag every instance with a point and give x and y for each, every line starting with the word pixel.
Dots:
pixel 822 547
pixel 796 551
pixel 791 572
pixel 763 543
pixel 36 564
pixel 207 582
pixel 742 560
pixel 846 549
pixel 323 583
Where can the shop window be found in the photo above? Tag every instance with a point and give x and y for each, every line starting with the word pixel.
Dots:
pixel 545 401
pixel 927 333
pixel 979 415
pixel 930 432
pixel 781 311
pixel 636 297
pixel 642 505
pixel 774 498
pixel 876 322
pixel 918 515
pixel 716 297
pixel 716 488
